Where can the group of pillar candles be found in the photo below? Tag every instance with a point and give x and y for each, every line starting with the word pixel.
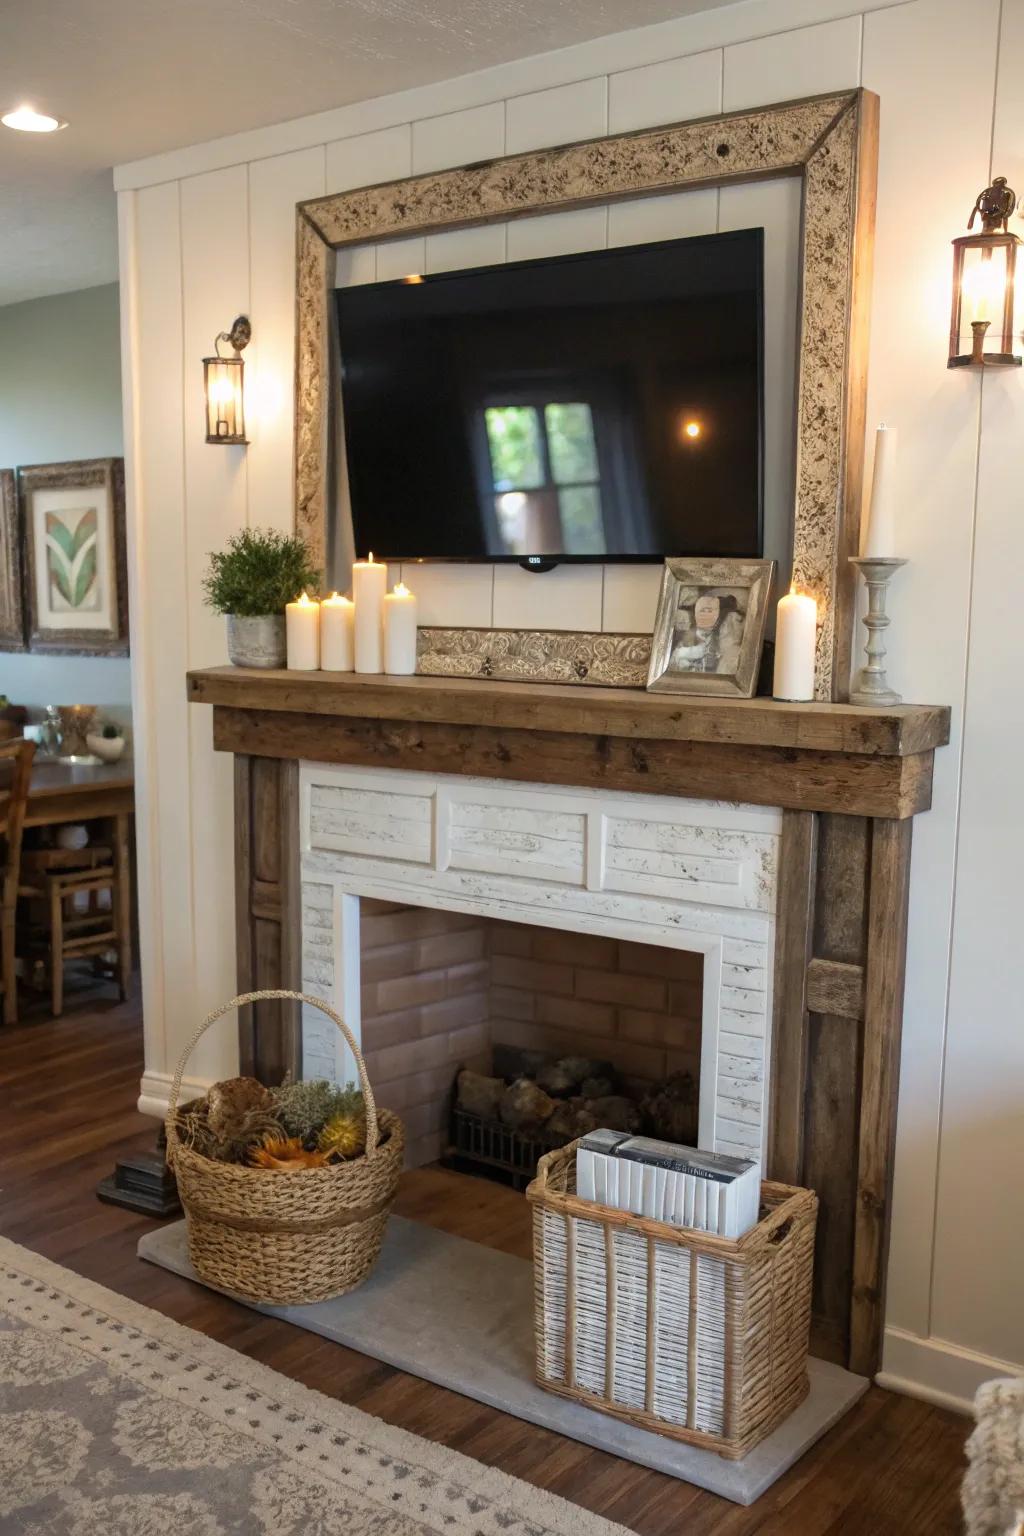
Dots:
pixel 372 631
pixel 796 623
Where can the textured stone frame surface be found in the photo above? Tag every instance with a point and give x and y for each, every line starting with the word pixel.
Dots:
pixel 830 142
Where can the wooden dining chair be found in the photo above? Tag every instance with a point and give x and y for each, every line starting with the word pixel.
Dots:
pixel 15 773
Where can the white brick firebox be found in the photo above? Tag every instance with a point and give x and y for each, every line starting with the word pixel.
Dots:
pixel 688 874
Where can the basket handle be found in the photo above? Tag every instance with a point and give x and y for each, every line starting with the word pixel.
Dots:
pixel 259 997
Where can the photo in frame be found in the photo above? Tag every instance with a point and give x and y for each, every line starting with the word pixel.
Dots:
pixel 12 613
pixel 709 632
pixel 76 583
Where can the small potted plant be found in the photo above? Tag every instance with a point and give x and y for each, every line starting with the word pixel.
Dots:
pixel 251 582
pixel 107 743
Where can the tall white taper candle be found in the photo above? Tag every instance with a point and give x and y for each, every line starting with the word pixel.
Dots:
pixel 879 538
pixel 796 627
pixel 400 631
pixel 369 583
pixel 302 627
pixel 337 638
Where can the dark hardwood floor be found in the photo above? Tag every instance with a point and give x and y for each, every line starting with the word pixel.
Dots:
pixel 67 1097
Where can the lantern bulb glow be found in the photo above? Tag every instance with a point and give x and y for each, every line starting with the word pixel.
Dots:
pixel 983 289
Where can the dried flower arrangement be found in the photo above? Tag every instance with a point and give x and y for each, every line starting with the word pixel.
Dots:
pixel 296 1126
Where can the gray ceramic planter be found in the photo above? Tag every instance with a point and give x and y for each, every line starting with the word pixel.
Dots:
pixel 257 641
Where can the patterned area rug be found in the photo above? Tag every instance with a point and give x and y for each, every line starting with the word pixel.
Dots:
pixel 115 1420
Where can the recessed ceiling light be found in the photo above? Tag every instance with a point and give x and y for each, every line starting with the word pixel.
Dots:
pixel 28 120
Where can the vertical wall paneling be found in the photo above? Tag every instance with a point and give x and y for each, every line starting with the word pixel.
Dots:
pixel 982 1127
pixel 152 318
pixel 456 138
pixel 936 411
pixel 557 116
pixel 215 286
pixel 367 158
pixel 275 186
pixel 666 92
pixel 791 64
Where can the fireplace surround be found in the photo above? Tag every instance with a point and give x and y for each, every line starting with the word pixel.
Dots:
pixel 677 875
pixel 839 787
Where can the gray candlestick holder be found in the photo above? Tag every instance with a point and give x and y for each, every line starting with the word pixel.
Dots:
pixel 871 685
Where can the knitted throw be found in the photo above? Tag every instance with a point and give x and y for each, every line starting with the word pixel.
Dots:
pixel 993 1488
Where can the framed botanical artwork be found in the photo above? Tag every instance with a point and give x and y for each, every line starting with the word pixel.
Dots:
pixel 76 582
pixel 12 614
pixel 709 632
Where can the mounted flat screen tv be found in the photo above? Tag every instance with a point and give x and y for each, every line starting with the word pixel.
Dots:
pixel 599 407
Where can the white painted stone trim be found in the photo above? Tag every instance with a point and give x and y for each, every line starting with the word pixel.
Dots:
pixel 689 874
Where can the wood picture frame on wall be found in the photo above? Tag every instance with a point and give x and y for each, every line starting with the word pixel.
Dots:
pixel 829 142
pixel 76 568
pixel 12 612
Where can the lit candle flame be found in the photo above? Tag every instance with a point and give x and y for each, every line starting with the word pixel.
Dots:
pixel 304 600
pixel 401 590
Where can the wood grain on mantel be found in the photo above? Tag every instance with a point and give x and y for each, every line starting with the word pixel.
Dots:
pixel 902 731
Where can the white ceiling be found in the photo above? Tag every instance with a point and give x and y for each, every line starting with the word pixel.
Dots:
pixel 136 77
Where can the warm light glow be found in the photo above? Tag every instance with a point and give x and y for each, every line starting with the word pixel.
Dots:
pixel 413 277
pixel 27 120
pixel 336 599
pixel 402 590
pixel 802 597
pixel 222 389
pixel 692 429
pixel 304 600
pixel 982 290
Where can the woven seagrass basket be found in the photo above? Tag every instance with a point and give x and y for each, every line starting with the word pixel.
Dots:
pixel 291 1237
pixel 699 1337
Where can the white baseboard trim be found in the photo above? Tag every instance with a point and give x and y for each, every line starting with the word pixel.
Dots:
pixel 937 1371
pixel 155 1092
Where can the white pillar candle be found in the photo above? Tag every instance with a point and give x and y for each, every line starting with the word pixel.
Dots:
pixel 369 584
pixel 302 622
pixel 795 637
pixel 400 631
pixel 879 540
pixel 337 634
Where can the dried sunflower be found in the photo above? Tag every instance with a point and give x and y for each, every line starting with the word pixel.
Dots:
pixel 286 1154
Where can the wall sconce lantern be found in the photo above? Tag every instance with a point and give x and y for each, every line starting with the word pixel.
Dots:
pixel 224 389
pixel 981 332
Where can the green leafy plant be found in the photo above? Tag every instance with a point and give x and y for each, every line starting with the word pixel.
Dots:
pixel 259 572
pixel 111 732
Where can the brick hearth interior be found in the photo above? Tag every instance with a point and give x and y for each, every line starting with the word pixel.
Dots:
pixel 439 989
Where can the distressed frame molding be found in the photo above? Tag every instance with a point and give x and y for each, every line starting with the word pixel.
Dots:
pixel 830 142
pixel 12 612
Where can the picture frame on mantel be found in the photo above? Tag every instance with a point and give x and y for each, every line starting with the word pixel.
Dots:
pixel 829 142
pixel 76 568
pixel 12 613
pixel 709 632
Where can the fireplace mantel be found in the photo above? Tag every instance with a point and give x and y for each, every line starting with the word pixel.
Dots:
pixel 849 782
pixel 811 757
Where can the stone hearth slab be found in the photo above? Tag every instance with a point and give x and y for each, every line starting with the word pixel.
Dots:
pixel 461 1315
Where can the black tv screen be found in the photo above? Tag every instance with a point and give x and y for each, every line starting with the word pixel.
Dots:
pixel 605 406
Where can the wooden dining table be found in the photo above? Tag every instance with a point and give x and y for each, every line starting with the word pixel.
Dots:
pixel 61 791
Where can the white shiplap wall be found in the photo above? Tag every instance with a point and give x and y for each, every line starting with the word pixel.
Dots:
pixel 208 231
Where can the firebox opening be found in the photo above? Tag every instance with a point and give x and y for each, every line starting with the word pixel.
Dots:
pixel 600 1029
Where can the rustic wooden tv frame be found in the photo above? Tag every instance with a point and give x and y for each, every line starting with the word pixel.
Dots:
pixel 830 142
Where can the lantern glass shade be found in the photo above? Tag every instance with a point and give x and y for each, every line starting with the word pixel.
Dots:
pixel 225 399
pixel 983 324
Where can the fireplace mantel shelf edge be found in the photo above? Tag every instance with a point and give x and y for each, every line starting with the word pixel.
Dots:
pixel 814 757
